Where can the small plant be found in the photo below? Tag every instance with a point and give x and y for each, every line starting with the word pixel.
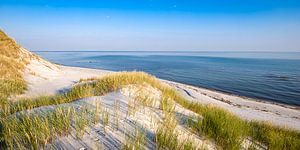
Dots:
pixel 61 120
pixel 131 107
pixel 167 105
pixel 144 99
pixel 97 112
pixel 116 113
pixel 81 120
pixel 188 145
pixel 166 136
pixel 136 142
pixel 105 118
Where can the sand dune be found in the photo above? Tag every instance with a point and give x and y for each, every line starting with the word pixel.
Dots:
pixel 49 80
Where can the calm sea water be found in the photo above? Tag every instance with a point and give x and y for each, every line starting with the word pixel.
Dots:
pixel 269 76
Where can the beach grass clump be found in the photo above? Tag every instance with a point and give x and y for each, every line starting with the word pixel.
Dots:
pixel 136 141
pixel 96 115
pixel 225 128
pixel 166 138
pixel 166 135
pixel 228 130
pixel 81 121
pixel 145 100
pixel 26 132
pixel 34 131
pixel 273 137
pixel 61 120
pixel 132 107
pixel 105 118
pixel 117 114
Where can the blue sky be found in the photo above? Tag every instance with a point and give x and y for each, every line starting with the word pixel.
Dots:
pixel 165 25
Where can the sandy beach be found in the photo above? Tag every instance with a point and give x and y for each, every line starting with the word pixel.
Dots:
pixel 49 79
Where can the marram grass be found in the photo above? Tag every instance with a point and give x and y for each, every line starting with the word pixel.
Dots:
pixel 12 63
pixel 34 131
pixel 226 129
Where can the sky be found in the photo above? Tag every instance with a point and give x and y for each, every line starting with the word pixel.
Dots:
pixel 153 25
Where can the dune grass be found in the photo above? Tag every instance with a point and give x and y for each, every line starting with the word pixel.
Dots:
pixel 223 127
pixel 276 138
pixel 28 103
pixel 136 141
pixel 12 63
pixel 34 131
pixel 166 135
pixel 13 59
pixel 228 130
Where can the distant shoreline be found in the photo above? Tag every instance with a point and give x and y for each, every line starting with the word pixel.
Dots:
pixel 290 106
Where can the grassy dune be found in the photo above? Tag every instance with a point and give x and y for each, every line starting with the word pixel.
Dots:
pixel 12 63
pixel 226 129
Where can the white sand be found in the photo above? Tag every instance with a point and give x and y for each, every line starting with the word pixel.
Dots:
pixel 44 78
pixel 50 79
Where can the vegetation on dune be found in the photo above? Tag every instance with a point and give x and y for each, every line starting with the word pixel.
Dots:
pixel 137 141
pixel 226 129
pixel 33 131
pixel 166 135
pixel 12 62
pixel 274 137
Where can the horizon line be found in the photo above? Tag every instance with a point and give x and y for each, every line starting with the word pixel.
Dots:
pixel 161 51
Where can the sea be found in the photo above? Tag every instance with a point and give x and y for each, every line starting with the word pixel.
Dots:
pixel 268 76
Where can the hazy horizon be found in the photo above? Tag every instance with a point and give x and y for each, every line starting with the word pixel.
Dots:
pixel 152 25
pixel 213 54
pixel 183 51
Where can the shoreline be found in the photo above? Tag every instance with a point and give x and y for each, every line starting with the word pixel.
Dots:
pixel 241 96
pixel 265 101
pixel 201 87
pixel 49 82
pixel 243 107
